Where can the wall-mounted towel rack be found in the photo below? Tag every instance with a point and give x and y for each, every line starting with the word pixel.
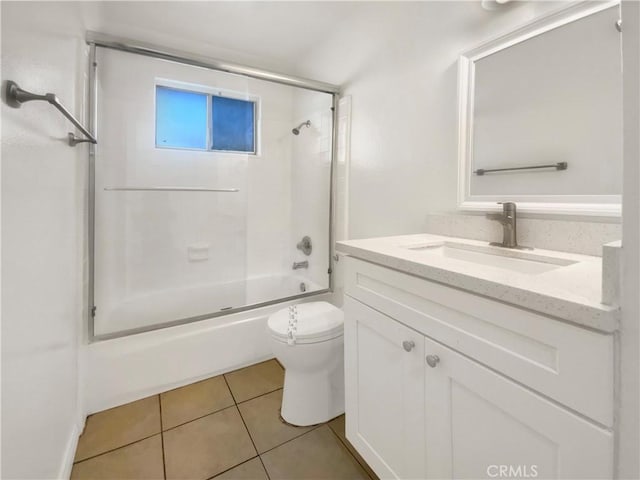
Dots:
pixel 170 189
pixel 15 97
pixel 557 166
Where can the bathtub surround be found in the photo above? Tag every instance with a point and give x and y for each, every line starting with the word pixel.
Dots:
pixel 575 236
pixel 162 257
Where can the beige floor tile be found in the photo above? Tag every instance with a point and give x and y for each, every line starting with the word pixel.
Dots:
pixel 262 416
pixel 316 455
pixel 140 460
pixel 119 426
pixel 251 470
pixel 193 401
pixel 207 446
pixel 337 425
pixel 255 380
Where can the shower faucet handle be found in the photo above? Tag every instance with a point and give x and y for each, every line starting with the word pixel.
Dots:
pixel 305 245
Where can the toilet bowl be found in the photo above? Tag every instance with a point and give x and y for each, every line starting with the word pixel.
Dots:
pixel 307 339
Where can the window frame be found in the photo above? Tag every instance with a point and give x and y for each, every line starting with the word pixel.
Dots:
pixel 211 92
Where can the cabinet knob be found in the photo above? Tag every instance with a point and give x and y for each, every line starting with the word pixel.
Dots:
pixel 408 345
pixel 433 360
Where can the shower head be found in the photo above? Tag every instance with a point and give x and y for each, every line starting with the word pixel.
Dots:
pixel 296 131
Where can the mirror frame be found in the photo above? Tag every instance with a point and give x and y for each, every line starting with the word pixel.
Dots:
pixel 590 205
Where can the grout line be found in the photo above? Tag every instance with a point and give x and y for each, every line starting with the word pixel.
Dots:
pixel 247 429
pixel 233 397
pixel 231 468
pixel 198 418
pixel 258 396
pixel 314 427
pixel 242 418
pixel 221 409
pixel 117 448
pixel 164 463
pixel 265 467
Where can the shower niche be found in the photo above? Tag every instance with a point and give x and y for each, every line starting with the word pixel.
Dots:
pixel 199 203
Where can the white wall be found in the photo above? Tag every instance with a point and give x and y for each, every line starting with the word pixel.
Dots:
pixel 629 417
pixel 398 62
pixel 42 248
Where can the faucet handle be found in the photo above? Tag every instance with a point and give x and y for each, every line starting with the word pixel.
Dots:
pixel 508 206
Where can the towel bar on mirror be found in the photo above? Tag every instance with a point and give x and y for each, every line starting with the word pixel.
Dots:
pixel 170 189
pixel 15 97
pixel 557 166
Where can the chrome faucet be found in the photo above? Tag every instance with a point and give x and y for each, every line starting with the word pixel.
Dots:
pixel 508 221
pixel 297 265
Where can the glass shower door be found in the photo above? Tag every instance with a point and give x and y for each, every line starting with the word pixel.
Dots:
pixel 170 219
pixel 205 185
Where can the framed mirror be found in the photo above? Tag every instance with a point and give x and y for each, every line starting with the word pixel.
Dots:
pixel 540 116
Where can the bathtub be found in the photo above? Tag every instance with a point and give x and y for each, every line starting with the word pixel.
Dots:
pixel 169 307
pixel 127 368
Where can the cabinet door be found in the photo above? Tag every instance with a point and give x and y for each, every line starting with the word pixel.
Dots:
pixel 481 425
pixel 384 374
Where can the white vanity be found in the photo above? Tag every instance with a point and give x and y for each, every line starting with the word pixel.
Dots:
pixel 469 361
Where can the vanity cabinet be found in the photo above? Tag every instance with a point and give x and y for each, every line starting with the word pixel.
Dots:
pixel 384 391
pixel 437 387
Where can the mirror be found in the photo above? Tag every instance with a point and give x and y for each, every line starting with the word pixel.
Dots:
pixel 541 116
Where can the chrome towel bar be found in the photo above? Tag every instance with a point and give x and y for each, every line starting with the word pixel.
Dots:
pixel 170 189
pixel 15 97
pixel 557 166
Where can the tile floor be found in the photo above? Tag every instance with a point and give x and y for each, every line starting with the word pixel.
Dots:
pixel 226 427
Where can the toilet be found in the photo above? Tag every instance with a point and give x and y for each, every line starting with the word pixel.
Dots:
pixel 307 339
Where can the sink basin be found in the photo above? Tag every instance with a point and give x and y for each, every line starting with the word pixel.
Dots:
pixel 520 261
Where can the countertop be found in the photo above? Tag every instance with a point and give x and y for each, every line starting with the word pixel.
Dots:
pixel 572 293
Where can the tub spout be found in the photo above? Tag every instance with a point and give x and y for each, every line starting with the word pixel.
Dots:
pixel 297 265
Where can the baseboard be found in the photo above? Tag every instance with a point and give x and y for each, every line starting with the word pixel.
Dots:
pixel 69 453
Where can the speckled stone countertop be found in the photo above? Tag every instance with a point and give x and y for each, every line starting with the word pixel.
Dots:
pixel 571 292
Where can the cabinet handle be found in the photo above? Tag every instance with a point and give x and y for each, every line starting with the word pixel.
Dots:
pixel 408 345
pixel 433 360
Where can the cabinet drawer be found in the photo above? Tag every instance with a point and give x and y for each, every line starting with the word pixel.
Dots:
pixel 569 364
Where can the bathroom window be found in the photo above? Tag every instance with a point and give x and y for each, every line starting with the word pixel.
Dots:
pixel 233 124
pixel 200 121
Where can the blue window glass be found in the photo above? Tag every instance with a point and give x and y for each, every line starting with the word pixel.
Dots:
pixel 181 118
pixel 233 124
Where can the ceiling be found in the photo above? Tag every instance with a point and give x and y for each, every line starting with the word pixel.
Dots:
pixel 266 34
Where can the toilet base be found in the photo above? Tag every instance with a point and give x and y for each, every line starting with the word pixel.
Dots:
pixel 309 399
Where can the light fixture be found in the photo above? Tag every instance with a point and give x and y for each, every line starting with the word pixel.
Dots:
pixel 493 4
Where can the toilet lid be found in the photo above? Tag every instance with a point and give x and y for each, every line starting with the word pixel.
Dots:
pixel 316 321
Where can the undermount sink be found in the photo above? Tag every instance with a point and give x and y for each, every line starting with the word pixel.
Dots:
pixel 513 260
